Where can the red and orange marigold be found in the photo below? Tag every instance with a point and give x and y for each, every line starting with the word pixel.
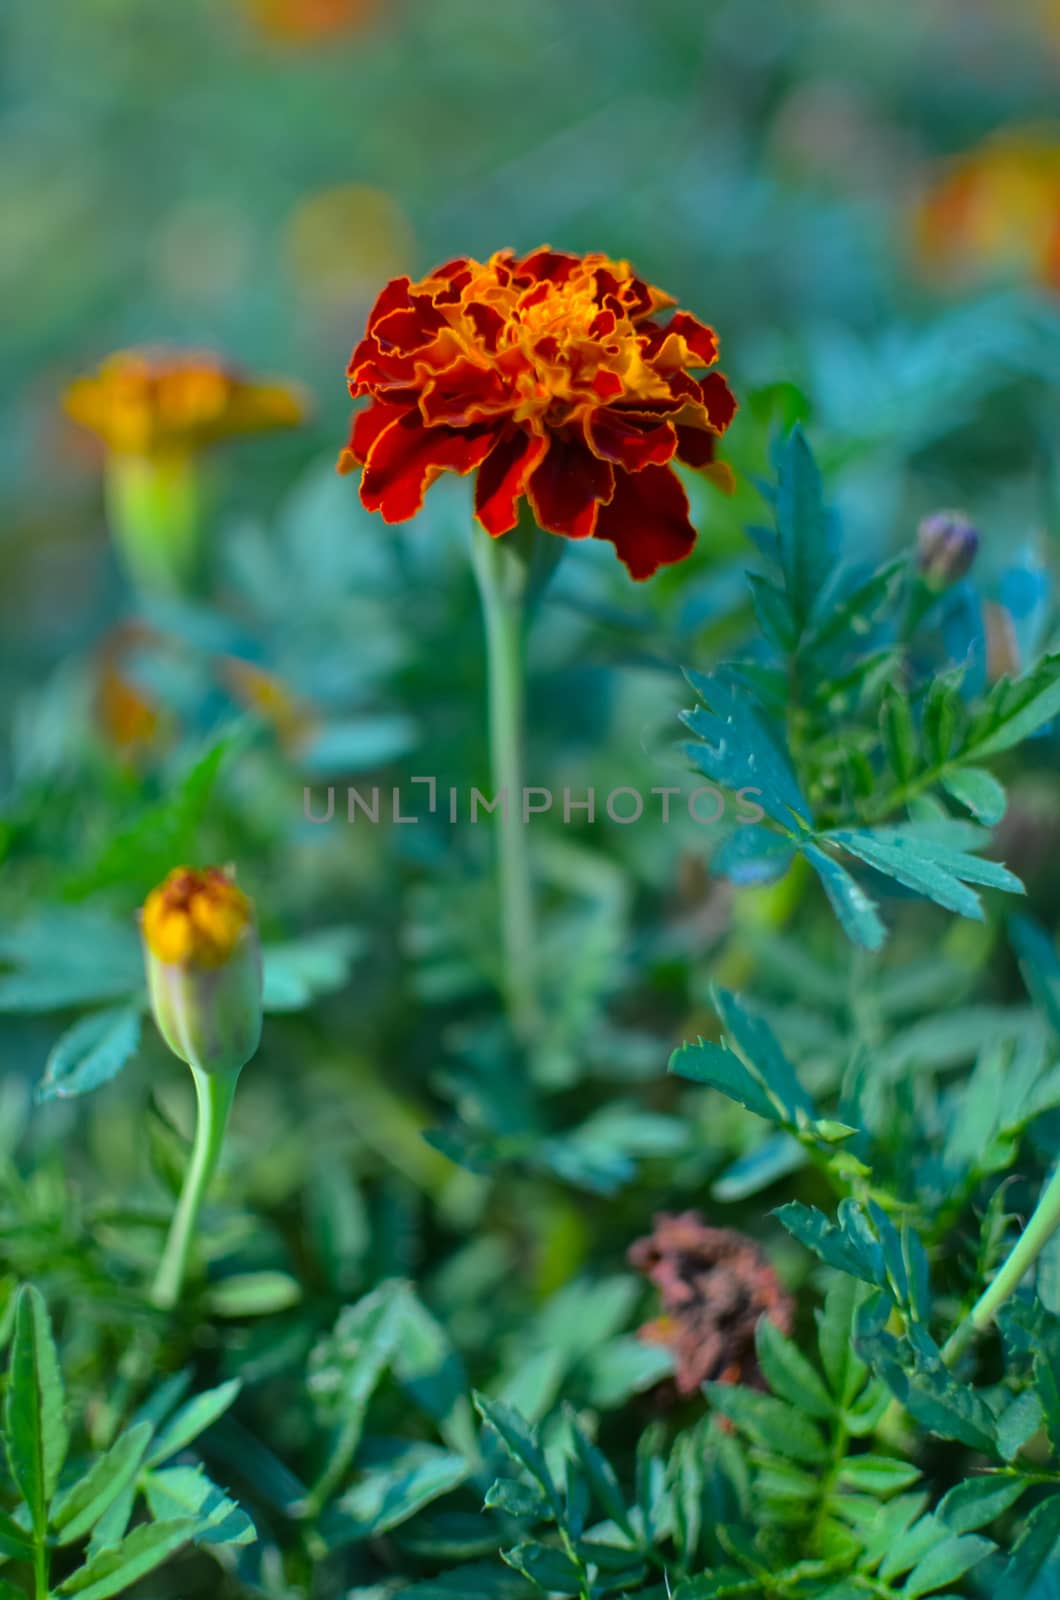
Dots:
pixel 553 377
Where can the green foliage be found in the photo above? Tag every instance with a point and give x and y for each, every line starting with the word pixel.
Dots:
pixel 412 1357
pixel 64 1503
pixel 837 730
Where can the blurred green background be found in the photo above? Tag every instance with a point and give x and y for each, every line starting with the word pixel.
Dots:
pixel 244 174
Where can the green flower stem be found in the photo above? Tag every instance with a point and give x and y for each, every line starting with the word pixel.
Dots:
pixel 1021 1258
pixel 510 573
pixel 40 1570
pixel 215 1092
pixel 154 510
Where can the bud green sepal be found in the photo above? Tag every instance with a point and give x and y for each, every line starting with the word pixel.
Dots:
pixel 210 1016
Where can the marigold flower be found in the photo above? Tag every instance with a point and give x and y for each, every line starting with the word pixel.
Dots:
pixel 552 376
pixel 715 1283
pixel 203 968
pixel 157 403
pixel 996 208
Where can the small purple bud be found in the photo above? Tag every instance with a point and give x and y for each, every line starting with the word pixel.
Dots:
pixel 946 547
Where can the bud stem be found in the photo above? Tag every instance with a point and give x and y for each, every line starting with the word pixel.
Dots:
pixel 215 1092
pixel 1024 1253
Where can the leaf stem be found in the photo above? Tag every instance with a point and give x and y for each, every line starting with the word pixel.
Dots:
pixel 214 1094
pixel 1024 1253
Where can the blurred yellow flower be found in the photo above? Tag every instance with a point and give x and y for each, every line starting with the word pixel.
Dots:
pixel 995 211
pixel 342 241
pixel 307 21
pixel 151 403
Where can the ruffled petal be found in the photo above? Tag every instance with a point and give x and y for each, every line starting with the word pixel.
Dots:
pixel 567 488
pixel 684 342
pixel 696 446
pixel 391 298
pixel 465 392
pixel 406 458
pixel 718 399
pixel 627 442
pixel 503 477
pixel 366 428
pixel 555 265
pixel 647 521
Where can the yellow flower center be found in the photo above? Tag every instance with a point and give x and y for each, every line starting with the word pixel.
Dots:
pixel 195 918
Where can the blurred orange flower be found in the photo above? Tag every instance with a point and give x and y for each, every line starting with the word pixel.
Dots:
pixel 306 21
pixel 996 210
pixel 157 402
pixel 268 697
pixel 553 377
pixel 128 718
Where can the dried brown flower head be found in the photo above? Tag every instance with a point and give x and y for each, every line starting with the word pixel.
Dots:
pixel 715 1283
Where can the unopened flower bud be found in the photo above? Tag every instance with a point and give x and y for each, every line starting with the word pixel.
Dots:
pixel 203 964
pixel 946 547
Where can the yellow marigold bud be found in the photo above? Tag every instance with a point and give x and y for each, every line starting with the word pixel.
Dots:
pixel 204 968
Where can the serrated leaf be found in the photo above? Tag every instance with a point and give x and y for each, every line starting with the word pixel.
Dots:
pixel 788 1373
pixel 976 1502
pixel 768 1422
pixel 524 1501
pixel 550 1569
pixel 805 535
pixel 602 1479
pixel 854 908
pixel 123 1564
pixel 1018 707
pixel 253 1294
pixel 899 735
pixel 1032 1571
pixel 942 708
pixel 758 1043
pixel 91 1052
pixel 1018 1424
pixel 852 605
pixel 753 856
pixel 933 870
pixel 950 1559
pixel 724 1583
pixel 1039 965
pixel 877 1475
pixel 76 1512
pixel 721 1069
pixel 845 1370
pixel 192 1419
pixel 15 1542
pixel 978 791
pixel 35 1428
pixel 518 1439
pixel 187 1492
pixel 841 1244
pixel 740 749
pixel 385 1499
